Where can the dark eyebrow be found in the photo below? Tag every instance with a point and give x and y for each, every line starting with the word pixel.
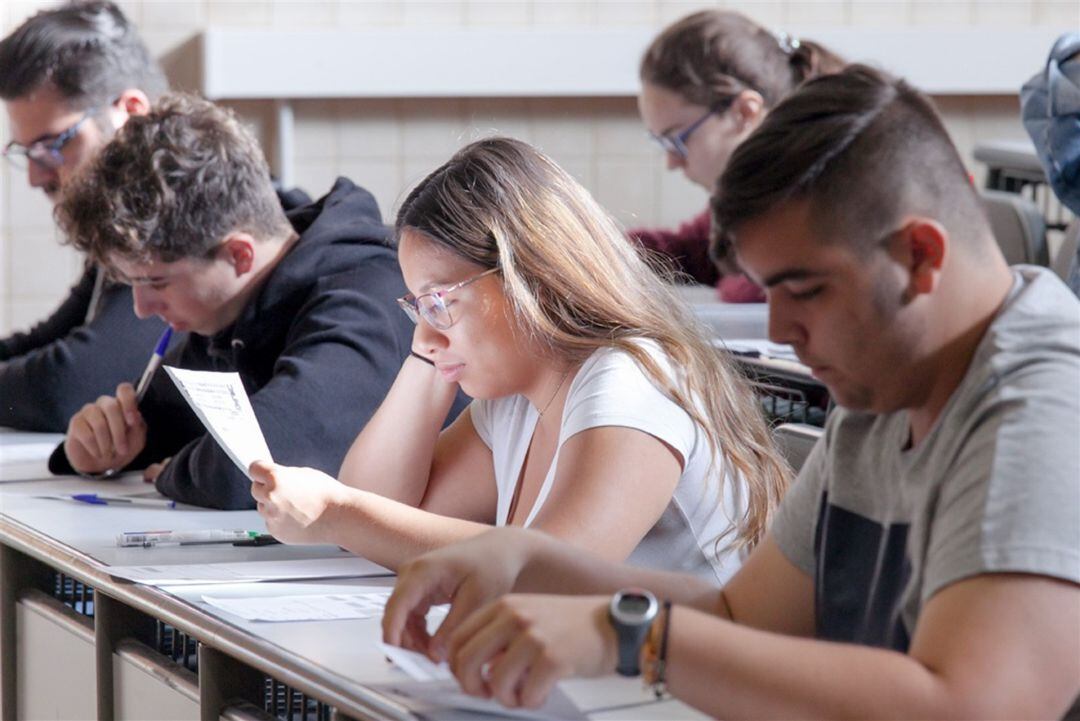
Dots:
pixel 791 274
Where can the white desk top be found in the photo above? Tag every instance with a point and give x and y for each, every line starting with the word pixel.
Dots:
pixel 344 651
pixel 360 661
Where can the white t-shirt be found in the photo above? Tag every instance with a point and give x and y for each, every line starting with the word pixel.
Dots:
pixel 611 389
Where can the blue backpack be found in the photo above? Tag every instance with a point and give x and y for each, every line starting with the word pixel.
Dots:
pixel 1050 108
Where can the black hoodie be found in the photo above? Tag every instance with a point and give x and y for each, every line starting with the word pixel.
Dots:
pixel 70 358
pixel 317 348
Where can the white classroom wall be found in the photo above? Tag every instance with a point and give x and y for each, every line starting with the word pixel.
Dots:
pixel 387 145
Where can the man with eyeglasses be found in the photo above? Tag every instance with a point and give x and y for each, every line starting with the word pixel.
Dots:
pixel 69 78
pixel 179 205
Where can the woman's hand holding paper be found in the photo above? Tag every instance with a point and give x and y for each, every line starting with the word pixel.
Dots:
pixel 296 503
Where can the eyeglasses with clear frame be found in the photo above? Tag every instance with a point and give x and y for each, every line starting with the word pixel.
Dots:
pixel 432 306
pixel 675 143
pixel 47 153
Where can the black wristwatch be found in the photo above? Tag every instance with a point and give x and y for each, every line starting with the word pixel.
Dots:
pixel 632 613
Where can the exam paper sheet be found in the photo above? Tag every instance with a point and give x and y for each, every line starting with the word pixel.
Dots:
pixel 24 456
pixel 307 607
pixel 249 571
pixel 432 687
pixel 222 404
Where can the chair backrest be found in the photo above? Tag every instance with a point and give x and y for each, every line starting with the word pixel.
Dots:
pixel 795 441
pixel 1018 226
pixel 1067 259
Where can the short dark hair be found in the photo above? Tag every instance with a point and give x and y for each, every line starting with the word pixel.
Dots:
pixel 88 51
pixel 864 148
pixel 170 185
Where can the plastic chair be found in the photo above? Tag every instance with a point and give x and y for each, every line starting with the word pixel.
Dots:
pixel 1018 226
pixel 795 441
pixel 1067 259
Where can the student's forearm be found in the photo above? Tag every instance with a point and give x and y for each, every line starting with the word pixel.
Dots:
pixel 392 533
pixel 730 671
pixel 392 456
pixel 557 567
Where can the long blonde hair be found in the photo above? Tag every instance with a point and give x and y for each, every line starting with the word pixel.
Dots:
pixel 576 284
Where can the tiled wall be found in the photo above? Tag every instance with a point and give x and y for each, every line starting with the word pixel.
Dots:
pixel 387 145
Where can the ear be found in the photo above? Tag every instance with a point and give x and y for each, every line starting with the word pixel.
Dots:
pixel 921 247
pixel 238 250
pixel 748 109
pixel 132 101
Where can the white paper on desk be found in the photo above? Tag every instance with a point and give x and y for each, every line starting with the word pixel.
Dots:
pixel 418 666
pixel 36 451
pixel 26 460
pixel 25 471
pixel 432 700
pixel 307 607
pixel 312 607
pixel 766 348
pixel 248 571
pixel 221 403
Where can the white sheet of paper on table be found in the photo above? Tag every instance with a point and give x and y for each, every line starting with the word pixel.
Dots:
pixel 18 471
pixel 309 607
pixel 312 607
pixel 24 459
pixel 248 571
pixel 429 698
pixel 222 404
pixel 417 666
pixel 432 683
pixel 766 348
pixel 24 452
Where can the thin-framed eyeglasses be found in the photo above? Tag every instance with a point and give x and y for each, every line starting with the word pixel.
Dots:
pixel 48 152
pixel 432 306
pixel 675 143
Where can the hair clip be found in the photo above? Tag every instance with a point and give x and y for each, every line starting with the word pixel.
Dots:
pixel 787 43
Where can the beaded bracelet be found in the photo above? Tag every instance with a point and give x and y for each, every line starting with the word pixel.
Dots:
pixel 414 354
pixel 654 653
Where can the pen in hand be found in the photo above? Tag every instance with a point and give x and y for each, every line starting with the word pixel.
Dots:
pixel 153 365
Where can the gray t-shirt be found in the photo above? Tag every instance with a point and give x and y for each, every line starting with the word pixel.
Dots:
pixel 993 488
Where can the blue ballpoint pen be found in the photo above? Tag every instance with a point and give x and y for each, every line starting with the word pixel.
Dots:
pixel 153 365
pixel 99 500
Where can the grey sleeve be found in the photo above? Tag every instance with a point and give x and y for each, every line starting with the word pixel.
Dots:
pixel 795 522
pixel 64 362
pixel 1011 502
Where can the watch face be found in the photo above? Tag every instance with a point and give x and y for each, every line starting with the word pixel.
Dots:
pixel 634 605
pixel 634 608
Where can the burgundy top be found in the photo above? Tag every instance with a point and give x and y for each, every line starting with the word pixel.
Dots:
pixel 688 246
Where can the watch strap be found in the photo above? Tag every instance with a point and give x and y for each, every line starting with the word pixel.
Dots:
pixel 630 640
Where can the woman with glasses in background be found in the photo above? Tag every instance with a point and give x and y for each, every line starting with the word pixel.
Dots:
pixel 706 82
pixel 602 415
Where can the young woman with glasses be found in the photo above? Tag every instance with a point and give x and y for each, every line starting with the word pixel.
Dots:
pixel 706 82
pixel 602 414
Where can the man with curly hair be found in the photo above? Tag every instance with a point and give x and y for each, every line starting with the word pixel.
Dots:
pixel 69 78
pixel 180 206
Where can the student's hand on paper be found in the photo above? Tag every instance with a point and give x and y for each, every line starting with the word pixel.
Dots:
pixel 106 434
pixel 516 648
pixel 467 575
pixel 295 502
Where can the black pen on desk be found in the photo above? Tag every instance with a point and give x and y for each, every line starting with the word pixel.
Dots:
pixel 153 365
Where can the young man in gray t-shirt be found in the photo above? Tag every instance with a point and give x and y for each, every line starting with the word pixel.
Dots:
pixel 926 562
